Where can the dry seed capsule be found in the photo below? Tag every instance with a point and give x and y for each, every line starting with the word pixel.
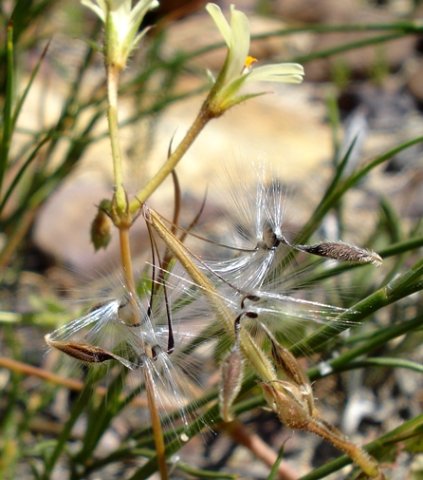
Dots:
pixel 342 251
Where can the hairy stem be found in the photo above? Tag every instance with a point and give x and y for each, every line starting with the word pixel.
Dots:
pixel 126 261
pixel 359 456
pixel 120 197
pixel 112 118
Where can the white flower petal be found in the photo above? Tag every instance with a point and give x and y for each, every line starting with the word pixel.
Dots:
pixel 221 22
pixel 122 25
pixel 138 38
pixel 141 8
pixel 239 45
pixel 282 72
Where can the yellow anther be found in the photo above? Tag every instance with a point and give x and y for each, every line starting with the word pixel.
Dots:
pixel 249 61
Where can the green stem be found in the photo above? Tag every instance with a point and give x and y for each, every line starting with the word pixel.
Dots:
pixel 201 120
pixel 120 198
pixel 373 342
pixel 401 247
pixel 8 105
pixel 401 27
pixel 126 261
pixel 367 463
pixel 390 362
pixel 408 430
pixel 329 52
pixel 112 118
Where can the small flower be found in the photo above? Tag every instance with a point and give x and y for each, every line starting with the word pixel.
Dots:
pixel 122 22
pixel 238 68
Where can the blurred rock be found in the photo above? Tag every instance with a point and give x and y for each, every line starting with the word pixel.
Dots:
pixel 63 226
pixel 384 105
pixel 363 62
pixel 415 83
pixel 314 11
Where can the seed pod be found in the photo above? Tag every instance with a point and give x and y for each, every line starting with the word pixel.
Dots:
pixel 101 226
pixel 81 351
pixel 286 399
pixel 284 360
pixel 87 353
pixel 288 363
pixel 342 251
pixel 232 370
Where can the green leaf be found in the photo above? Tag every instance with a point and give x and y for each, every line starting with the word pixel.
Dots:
pixel 7 129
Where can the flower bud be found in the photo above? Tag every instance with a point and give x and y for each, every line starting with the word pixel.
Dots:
pixel 286 400
pixel 122 22
pixel 101 226
pixel 232 370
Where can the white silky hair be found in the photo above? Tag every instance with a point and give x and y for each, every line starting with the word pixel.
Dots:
pixel 259 241
pixel 142 346
pixel 254 215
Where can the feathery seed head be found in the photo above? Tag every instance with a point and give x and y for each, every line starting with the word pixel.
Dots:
pixel 109 333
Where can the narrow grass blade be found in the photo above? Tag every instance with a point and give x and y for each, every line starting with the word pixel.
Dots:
pixel 21 172
pixel 400 287
pixel 22 98
pixel 371 342
pixel 8 105
pixel 64 436
pixel 274 472
pixel 334 194
pixel 388 362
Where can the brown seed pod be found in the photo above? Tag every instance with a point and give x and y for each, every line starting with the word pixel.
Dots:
pixel 343 252
pixel 81 351
pixel 232 371
pixel 101 226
